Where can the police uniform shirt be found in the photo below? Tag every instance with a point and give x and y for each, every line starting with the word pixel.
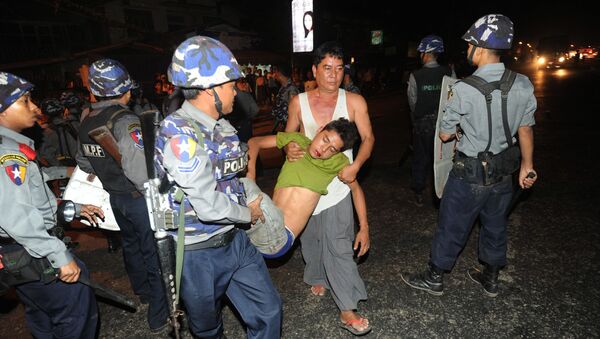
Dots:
pixel 127 132
pixel 189 165
pixel 28 205
pixel 467 107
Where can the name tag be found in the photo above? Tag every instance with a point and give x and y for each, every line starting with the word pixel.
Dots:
pixel 92 150
pixel 232 166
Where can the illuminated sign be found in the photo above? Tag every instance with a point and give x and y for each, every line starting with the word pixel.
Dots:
pixel 302 25
pixel 376 37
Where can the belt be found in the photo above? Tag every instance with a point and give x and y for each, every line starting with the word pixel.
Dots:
pixel 217 241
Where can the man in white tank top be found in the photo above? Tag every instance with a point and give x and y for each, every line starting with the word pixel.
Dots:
pixel 328 240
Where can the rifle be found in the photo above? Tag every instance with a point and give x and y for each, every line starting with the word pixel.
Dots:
pixel 161 219
pixel 17 267
pixel 104 137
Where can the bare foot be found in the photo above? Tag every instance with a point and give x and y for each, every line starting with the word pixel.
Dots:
pixel 318 290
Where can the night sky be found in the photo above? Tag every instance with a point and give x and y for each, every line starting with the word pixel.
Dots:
pixel 350 21
pixel 533 19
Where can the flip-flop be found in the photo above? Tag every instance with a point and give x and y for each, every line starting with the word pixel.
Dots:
pixel 313 290
pixel 347 325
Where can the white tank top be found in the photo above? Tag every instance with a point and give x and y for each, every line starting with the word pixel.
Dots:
pixel 337 190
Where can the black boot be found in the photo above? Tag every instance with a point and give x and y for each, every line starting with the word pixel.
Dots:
pixel 488 279
pixel 430 281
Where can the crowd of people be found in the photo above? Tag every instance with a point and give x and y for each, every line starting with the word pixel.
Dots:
pixel 227 226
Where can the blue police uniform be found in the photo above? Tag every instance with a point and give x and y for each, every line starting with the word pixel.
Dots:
pixel 217 254
pixel 464 200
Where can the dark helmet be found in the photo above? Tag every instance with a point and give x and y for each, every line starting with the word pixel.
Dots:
pixel 70 100
pixel 52 107
pixel 202 62
pixel 11 89
pixel 492 31
pixel 431 44
pixel 108 78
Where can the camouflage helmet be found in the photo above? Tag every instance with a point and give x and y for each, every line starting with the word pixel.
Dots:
pixel 70 100
pixel 492 31
pixel 52 107
pixel 11 89
pixel 203 62
pixel 431 44
pixel 108 78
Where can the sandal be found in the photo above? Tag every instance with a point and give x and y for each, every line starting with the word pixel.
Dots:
pixel 349 326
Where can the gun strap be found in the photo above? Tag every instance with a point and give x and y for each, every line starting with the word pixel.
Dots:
pixel 180 246
pixel 179 197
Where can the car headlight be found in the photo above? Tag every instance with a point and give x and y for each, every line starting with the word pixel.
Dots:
pixel 541 60
pixel 561 59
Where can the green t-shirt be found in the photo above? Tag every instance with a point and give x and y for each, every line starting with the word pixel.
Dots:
pixel 308 172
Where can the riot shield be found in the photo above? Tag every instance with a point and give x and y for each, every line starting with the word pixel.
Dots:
pixel 443 152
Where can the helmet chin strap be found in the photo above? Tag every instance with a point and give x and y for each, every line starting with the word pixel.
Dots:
pixel 470 56
pixel 218 104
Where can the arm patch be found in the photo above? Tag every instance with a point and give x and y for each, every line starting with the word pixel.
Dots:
pixel 183 147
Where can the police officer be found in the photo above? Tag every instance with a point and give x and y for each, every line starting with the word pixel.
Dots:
pixel 59 145
pixel 199 153
pixel 480 183
pixel 124 179
pixel 139 103
pixel 61 308
pixel 74 106
pixel 423 92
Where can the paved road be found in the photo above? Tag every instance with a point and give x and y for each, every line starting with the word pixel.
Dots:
pixel 548 290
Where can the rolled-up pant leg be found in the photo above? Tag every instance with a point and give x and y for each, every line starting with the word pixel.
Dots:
pixel 269 236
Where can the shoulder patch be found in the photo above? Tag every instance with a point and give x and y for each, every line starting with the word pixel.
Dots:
pixel 13 157
pixel 135 133
pixel 16 173
pixel 184 147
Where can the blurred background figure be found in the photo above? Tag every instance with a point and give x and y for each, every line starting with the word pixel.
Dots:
pixel 245 110
pixel 347 83
pixel 59 143
pixel 287 91
pixel 424 86
pixel 138 102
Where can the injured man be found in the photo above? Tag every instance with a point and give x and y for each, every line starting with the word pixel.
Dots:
pixel 300 184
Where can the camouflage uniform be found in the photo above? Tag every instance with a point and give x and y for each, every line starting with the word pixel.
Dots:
pixel 202 156
pixel 280 109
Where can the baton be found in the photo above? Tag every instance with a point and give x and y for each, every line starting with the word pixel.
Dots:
pixel 108 293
